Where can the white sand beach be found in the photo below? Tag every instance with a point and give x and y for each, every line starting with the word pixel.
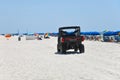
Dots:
pixel 37 60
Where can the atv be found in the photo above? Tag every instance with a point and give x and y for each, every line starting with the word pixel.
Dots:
pixel 70 38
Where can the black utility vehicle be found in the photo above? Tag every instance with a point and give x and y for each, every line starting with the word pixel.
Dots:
pixel 70 38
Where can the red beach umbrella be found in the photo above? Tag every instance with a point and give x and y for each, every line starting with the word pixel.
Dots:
pixel 8 36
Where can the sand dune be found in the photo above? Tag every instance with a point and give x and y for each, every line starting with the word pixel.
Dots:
pixel 36 60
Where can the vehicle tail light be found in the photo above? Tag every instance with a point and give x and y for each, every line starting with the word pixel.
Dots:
pixel 62 40
pixel 82 38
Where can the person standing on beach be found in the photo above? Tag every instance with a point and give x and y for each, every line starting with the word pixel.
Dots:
pixel 19 38
pixel 119 37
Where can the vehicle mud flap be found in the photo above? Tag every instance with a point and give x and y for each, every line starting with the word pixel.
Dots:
pixel 58 50
pixel 63 50
pixel 81 48
pixel 75 49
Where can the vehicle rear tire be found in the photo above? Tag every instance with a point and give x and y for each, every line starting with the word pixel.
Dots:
pixel 81 48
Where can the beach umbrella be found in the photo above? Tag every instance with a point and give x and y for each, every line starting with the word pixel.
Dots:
pixel 90 33
pixel 8 36
pixel 15 34
pixel 54 34
pixel 25 33
pixel 94 33
pixel 41 33
pixel 82 33
pixel 117 32
pixel 109 33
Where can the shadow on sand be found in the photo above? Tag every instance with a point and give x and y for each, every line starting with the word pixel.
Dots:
pixel 68 53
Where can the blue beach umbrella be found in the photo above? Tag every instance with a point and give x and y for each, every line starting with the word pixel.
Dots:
pixel 90 33
pixel 95 33
pixel 109 33
pixel 117 32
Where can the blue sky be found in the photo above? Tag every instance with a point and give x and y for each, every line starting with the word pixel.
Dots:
pixel 49 15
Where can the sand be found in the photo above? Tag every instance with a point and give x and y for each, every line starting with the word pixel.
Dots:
pixel 37 60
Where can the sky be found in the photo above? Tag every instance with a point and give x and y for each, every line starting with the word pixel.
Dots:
pixel 49 15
